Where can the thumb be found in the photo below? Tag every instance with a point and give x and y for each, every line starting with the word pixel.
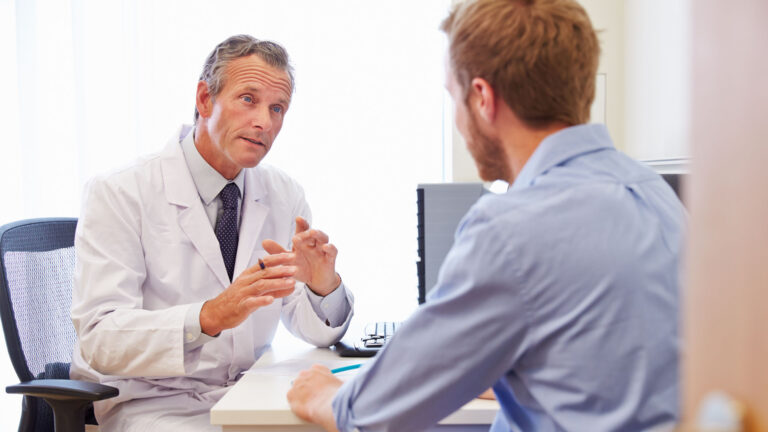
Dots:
pixel 272 247
pixel 301 224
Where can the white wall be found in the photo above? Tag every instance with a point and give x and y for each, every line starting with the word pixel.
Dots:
pixel 608 19
pixel 657 78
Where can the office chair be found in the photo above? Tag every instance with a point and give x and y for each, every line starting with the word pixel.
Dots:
pixel 37 261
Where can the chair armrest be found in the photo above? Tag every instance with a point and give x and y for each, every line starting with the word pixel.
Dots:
pixel 64 389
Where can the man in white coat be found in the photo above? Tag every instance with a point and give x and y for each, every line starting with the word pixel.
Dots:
pixel 187 260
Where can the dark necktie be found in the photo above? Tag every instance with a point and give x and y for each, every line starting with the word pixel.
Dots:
pixel 226 226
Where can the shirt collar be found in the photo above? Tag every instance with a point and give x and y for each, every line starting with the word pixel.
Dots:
pixel 207 180
pixel 561 146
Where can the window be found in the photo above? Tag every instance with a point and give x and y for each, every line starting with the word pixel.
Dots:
pixel 100 83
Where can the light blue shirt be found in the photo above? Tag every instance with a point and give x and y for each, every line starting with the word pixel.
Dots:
pixel 333 308
pixel 562 294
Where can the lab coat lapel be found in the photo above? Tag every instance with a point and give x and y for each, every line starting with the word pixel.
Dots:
pixel 180 190
pixel 254 213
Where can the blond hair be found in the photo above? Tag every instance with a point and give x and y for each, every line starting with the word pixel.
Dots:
pixel 540 56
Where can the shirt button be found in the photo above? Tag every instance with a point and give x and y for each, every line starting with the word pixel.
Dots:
pixel 190 337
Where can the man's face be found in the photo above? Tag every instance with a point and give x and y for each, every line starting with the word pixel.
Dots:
pixel 487 151
pixel 247 114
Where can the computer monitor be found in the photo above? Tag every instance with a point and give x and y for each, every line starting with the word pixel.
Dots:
pixel 674 172
pixel 440 209
pixel 441 206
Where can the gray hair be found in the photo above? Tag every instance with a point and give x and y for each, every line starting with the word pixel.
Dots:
pixel 234 48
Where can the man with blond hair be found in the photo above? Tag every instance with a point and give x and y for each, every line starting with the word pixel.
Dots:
pixel 561 294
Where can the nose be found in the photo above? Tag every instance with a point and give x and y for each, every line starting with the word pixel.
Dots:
pixel 262 119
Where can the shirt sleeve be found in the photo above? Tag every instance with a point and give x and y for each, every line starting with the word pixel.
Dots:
pixel 333 308
pixel 468 335
pixel 193 334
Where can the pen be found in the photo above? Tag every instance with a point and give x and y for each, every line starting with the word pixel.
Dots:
pixel 261 264
pixel 345 368
pixel 342 369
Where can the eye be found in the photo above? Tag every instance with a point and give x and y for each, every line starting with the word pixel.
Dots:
pixel 247 99
pixel 277 109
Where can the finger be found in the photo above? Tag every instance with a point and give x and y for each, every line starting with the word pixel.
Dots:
pixel 252 303
pixel 320 236
pixel 330 250
pixel 264 286
pixel 272 247
pixel 276 260
pixel 288 258
pixel 275 272
pixel 308 241
pixel 316 235
pixel 282 293
pixel 303 241
pixel 268 286
pixel 276 293
pixel 301 224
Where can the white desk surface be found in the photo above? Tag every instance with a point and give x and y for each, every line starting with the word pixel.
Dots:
pixel 258 401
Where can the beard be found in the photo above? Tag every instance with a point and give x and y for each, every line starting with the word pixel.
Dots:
pixel 490 157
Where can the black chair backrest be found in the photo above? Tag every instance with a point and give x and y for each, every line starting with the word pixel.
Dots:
pixel 37 262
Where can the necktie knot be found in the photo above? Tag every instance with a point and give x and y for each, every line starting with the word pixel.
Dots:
pixel 229 196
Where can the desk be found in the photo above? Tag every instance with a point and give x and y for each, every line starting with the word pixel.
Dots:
pixel 258 403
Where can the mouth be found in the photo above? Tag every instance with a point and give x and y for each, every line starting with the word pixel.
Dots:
pixel 253 141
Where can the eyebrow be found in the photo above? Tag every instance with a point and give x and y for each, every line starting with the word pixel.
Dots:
pixel 257 90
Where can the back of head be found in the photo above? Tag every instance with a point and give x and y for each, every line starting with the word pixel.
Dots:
pixel 234 48
pixel 540 56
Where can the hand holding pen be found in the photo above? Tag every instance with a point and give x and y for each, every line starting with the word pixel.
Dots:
pixel 272 277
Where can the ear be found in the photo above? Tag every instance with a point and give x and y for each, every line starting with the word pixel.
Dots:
pixel 203 100
pixel 483 98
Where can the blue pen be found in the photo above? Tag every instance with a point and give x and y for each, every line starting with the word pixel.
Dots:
pixel 342 369
pixel 345 368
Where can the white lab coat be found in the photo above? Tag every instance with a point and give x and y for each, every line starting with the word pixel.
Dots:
pixel 146 253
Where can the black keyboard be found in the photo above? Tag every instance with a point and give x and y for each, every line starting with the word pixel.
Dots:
pixel 373 339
